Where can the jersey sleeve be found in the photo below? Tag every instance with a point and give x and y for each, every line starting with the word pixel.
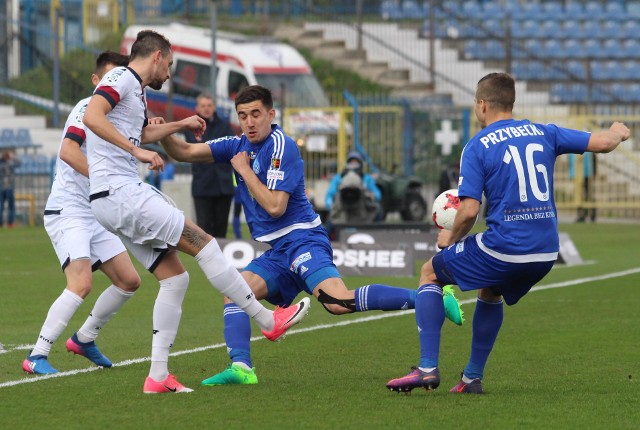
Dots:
pixel 224 148
pixel 284 165
pixel 76 130
pixel 471 180
pixel 115 84
pixel 568 140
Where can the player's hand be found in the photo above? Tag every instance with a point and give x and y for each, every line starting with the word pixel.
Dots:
pixel 444 238
pixel 195 124
pixel 621 129
pixel 156 120
pixel 241 162
pixel 152 158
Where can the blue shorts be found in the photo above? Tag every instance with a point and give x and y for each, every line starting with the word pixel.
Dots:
pixel 296 262
pixel 466 265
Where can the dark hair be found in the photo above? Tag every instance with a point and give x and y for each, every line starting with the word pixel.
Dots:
pixel 147 42
pixel 254 93
pixel 498 89
pixel 109 57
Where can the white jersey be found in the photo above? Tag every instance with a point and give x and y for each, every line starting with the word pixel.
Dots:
pixel 111 167
pixel 70 189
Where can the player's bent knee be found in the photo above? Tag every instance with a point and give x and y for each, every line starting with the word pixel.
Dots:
pixel 336 306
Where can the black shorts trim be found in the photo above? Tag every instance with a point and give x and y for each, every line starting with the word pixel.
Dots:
pixel 155 264
pixel 99 195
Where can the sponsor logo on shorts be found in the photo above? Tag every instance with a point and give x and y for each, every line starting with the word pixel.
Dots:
pixel 299 260
pixel 278 175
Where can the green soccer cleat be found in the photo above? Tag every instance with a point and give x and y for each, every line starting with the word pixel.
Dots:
pixel 452 308
pixel 233 375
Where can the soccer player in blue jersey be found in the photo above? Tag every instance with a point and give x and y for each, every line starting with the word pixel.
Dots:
pixel 270 178
pixel 512 162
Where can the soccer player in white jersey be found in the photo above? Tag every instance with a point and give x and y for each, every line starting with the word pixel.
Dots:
pixel 270 177
pixel 82 246
pixel 147 223
pixel 512 162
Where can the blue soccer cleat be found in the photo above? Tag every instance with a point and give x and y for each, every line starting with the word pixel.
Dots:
pixel 89 350
pixel 38 365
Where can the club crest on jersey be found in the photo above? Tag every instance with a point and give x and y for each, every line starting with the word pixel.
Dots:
pixel 275 163
pixel 113 77
pixel 299 260
pixel 459 247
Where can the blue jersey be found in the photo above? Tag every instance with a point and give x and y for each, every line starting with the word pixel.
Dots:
pixel 512 162
pixel 278 164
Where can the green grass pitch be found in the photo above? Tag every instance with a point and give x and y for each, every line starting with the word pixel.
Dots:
pixel 567 357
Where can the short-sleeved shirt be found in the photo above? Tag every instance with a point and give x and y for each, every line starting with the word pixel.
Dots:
pixel 512 162
pixel 278 164
pixel 70 189
pixel 109 165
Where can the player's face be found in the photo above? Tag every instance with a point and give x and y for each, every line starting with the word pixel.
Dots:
pixel 161 70
pixel 205 108
pixel 255 120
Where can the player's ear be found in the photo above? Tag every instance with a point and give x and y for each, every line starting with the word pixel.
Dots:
pixel 95 79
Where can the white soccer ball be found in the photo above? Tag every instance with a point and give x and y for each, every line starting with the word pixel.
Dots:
pixel 444 209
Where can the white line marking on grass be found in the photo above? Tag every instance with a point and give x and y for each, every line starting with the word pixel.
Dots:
pixel 309 329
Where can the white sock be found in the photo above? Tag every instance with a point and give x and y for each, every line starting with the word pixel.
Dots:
pixel 57 319
pixel 245 366
pixel 107 305
pixel 226 279
pixel 427 369
pixel 166 320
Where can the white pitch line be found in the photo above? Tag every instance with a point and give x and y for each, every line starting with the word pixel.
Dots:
pixel 563 284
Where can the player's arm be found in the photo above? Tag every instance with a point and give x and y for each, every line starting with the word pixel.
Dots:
pixel 180 150
pixel 273 201
pixel 607 141
pixel 71 154
pixel 95 118
pixel 155 131
pixel 463 223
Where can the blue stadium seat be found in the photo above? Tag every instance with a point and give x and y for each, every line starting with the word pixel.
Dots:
pixel 553 48
pixel 493 10
pixel 493 28
pixel 552 10
pixel 630 30
pixel 556 71
pixel 568 93
pixel 633 92
pixel 611 30
pixel 529 28
pixel 619 91
pixel 537 70
pixel 631 48
pixel 614 11
pixel 529 11
pixel 574 10
pixel 591 29
pixel 571 29
pixel 551 29
pixel 472 9
pixel 630 69
pixel 613 48
pixel 593 9
pixel 593 49
pixel 447 9
pixel 575 70
pixel 633 10
pixel 473 50
pixel 601 94
pixel 23 138
pixel 390 9
pixel 412 10
pixel 494 50
pixel 470 28
pixel 7 138
pixel 574 49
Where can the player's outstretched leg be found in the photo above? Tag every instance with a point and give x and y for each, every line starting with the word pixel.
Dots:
pixel 169 385
pixel 89 350
pixel 234 374
pixel 417 378
pixel 285 318
pixel 38 365
pixel 468 386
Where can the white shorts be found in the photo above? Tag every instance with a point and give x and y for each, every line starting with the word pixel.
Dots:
pixel 81 236
pixel 143 219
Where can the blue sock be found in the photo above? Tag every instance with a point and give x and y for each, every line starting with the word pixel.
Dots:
pixel 430 318
pixel 237 334
pixel 378 297
pixel 487 320
pixel 237 231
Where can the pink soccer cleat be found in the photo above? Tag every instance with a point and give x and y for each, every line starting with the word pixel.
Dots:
pixel 169 385
pixel 285 318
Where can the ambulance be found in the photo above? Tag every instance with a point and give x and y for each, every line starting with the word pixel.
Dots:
pixel 240 61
